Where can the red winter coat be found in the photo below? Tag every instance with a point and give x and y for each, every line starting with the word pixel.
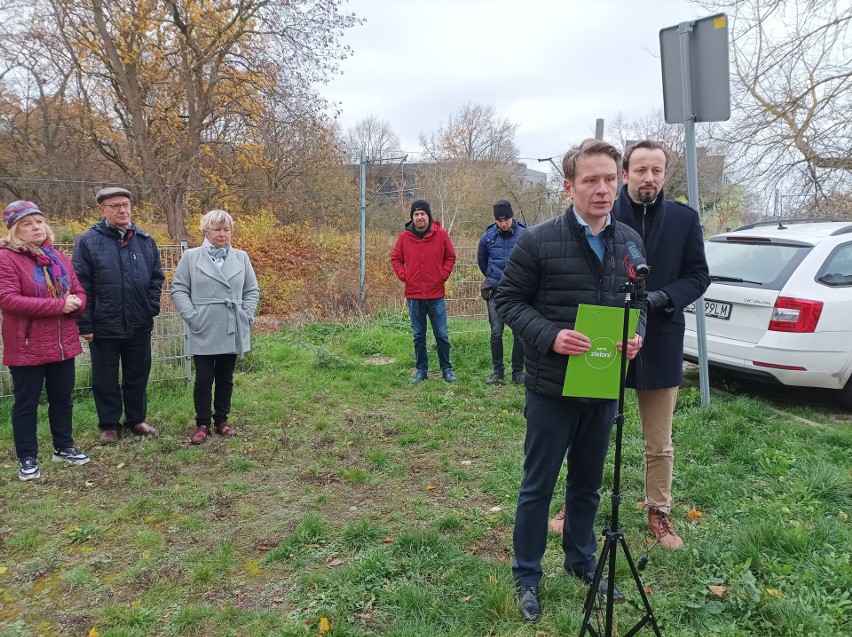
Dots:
pixel 35 330
pixel 423 264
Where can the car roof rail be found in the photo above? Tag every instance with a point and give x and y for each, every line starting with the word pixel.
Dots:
pixel 782 223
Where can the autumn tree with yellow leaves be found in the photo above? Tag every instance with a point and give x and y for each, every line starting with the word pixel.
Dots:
pixel 177 93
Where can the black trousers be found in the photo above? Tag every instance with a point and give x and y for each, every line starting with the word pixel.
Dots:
pixel 554 426
pixel 131 396
pixel 27 382
pixel 218 369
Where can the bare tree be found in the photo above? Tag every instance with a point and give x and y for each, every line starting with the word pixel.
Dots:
pixel 374 135
pixel 792 95
pixel 473 133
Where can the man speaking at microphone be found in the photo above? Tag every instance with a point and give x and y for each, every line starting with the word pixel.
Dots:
pixel 672 235
pixel 578 257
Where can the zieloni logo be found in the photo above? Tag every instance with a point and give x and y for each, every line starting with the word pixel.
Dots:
pixel 602 353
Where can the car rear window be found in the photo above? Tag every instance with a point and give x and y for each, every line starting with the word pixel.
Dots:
pixel 758 264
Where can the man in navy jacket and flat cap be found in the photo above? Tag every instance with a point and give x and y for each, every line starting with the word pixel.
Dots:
pixel 118 265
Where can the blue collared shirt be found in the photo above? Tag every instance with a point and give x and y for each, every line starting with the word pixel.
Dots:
pixel 596 241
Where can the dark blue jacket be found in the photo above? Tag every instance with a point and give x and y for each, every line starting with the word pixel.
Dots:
pixel 494 249
pixel 674 249
pixel 552 271
pixel 123 281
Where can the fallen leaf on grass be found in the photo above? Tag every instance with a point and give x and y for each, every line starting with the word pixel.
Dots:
pixel 263 547
pixel 648 590
pixel 843 515
pixel 324 626
pixel 640 506
pixel 718 591
pixel 3 569
pixel 774 592
pixel 120 465
pixel 365 616
pixel 89 484
pixel 337 561
pixel 146 555
pixel 466 598
pixel 694 514
pixel 430 487
pixel 495 509
pixel 93 632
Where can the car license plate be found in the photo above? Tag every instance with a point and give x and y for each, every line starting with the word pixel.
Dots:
pixel 713 309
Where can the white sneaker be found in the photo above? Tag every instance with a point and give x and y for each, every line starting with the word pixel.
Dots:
pixel 71 455
pixel 28 468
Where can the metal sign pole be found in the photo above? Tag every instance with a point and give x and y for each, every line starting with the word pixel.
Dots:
pixel 362 293
pixel 684 30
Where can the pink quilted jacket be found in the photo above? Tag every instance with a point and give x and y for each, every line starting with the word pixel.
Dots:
pixel 35 331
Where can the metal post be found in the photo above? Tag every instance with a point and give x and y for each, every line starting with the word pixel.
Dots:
pixel 187 362
pixel 362 292
pixel 684 30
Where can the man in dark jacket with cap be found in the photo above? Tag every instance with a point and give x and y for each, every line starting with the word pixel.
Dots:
pixel 576 258
pixel 495 245
pixel 679 275
pixel 118 265
pixel 423 259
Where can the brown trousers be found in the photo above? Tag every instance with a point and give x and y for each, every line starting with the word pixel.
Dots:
pixel 656 411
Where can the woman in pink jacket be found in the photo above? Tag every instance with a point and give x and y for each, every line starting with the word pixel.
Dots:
pixel 39 296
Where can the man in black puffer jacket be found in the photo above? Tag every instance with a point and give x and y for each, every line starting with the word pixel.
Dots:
pixel 555 266
pixel 118 265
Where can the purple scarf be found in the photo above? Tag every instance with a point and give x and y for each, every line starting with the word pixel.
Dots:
pixel 51 277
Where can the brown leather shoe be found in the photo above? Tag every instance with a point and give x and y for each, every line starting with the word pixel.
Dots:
pixel 661 527
pixel 557 523
pixel 226 430
pixel 109 435
pixel 143 429
pixel 200 435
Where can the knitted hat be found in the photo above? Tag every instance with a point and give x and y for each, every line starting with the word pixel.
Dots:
pixel 17 210
pixel 421 204
pixel 503 209
pixel 112 191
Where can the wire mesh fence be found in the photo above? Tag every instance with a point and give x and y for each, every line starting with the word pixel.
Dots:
pixel 167 340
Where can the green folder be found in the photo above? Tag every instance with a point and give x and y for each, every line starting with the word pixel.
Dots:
pixel 595 373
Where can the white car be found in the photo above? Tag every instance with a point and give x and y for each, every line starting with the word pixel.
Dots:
pixel 779 307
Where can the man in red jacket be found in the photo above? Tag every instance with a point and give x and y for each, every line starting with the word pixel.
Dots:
pixel 423 259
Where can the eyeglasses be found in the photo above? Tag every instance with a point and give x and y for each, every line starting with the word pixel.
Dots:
pixel 117 206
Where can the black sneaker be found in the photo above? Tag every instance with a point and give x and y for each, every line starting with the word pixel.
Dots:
pixel 71 455
pixel 494 379
pixel 449 375
pixel 528 604
pixel 419 376
pixel 28 468
pixel 518 378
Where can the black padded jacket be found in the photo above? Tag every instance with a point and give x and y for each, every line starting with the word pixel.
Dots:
pixel 551 271
pixel 123 281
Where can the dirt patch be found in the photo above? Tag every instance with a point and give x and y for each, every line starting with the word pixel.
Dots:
pixel 379 360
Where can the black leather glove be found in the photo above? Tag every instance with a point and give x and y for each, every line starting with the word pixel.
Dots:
pixel 658 301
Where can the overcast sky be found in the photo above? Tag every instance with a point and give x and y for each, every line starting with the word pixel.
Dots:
pixel 550 66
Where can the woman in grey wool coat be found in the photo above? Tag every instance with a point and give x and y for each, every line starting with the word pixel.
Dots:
pixel 215 292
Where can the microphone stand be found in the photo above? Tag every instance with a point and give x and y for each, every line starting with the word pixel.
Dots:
pixel 614 536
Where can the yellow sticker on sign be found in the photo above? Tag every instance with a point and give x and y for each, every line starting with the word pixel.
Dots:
pixel 720 23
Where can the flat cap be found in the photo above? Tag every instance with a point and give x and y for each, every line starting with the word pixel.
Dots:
pixel 112 191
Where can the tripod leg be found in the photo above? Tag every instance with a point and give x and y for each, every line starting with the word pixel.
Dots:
pixel 649 613
pixel 608 549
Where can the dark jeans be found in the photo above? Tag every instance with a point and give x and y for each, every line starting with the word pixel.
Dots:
pixel 436 310
pixel 554 426
pixel 497 326
pixel 218 368
pixel 27 382
pixel 134 354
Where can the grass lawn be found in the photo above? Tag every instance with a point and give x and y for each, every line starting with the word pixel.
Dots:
pixel 355 504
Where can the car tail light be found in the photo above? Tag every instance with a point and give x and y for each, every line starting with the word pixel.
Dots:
pixel 795 315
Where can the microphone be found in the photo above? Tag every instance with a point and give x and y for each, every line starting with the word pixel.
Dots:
pixel 634 263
